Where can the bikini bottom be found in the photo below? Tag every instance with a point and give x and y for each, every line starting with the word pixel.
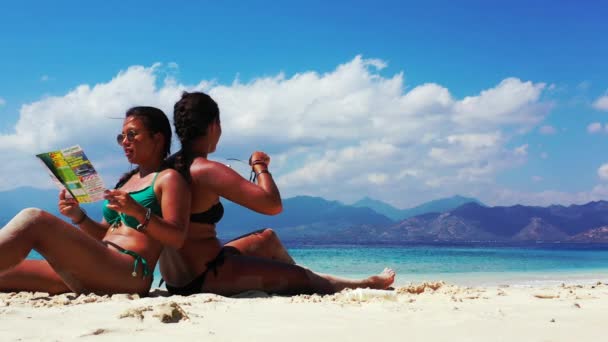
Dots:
pixel 138 259
pixel 196 285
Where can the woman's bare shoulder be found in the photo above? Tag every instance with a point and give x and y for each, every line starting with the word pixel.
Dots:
pixel 203 168
pixel 209 175
pixel 169 176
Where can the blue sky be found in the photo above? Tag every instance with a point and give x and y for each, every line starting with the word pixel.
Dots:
pixel 401 101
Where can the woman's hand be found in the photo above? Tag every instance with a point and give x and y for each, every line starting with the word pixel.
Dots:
pixel 259 157
pixel 122 202
pixel 69 207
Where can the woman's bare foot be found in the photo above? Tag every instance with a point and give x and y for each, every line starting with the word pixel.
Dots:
pixel 324 283
pixel 381 281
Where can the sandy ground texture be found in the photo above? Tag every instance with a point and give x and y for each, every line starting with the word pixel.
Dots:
pixel 417 312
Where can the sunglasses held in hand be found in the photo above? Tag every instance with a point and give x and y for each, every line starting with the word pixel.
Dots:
pixel 252 176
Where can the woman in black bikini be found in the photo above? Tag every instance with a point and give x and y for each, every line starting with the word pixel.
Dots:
pixel 256 261
pixel 147 210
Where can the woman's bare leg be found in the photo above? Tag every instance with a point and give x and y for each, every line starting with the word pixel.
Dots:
pixel 263 243
pixel 83 263
pixel 34 276
pixel 243 273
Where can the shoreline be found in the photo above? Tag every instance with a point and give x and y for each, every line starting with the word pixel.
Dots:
pixel 531 278
pixel 435 311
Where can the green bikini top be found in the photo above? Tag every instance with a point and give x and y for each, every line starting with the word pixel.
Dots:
pixel 145 197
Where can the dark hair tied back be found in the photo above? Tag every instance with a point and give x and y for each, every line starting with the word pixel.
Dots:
pixel 192 115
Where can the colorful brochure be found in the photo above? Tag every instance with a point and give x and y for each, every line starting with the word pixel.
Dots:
pixel 70 169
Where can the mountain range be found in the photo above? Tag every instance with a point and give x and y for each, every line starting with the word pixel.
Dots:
pixel 474 222
pixel 317 220
pixel 436 206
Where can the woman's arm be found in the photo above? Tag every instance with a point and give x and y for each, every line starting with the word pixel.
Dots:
pixel 175 205
pixel 263 198
pixel 70 208
pixel 96 229
pixel 174 195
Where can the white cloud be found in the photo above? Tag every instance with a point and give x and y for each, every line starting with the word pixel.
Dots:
pixel 378 178
pixel 544 155
pixel 546 198
pixel 585 85
pixel 547 130
pixel 521 150
pixel 340 134
pixel 461 149
pixel 601 103
pixel 450 141
pixel 83 113
pixel 82 116
pixel 602 172
pixel 2 102
pixel 595 127
pixel 512 102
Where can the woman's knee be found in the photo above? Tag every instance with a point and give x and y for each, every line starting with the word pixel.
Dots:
pixel 269 234
pixel 28 219
pixel 33 213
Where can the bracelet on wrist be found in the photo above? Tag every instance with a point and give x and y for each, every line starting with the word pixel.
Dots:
pixel 258 162
pixel 263 171
pixel 82 218
pixel 140 227
pixel 254 175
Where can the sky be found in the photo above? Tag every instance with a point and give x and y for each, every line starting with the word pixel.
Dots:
pixel 401 101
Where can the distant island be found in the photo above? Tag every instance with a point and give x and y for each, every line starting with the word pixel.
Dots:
pixel 317 220
pixel 436 206
pixel 455 219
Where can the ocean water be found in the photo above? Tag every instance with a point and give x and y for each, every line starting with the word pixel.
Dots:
pixel 462 264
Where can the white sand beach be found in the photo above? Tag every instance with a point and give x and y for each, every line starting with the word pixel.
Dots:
pixel 417 312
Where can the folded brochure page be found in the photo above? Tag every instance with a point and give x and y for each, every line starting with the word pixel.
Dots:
pixel 70 169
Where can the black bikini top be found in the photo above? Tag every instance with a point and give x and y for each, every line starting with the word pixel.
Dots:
pixel 212 216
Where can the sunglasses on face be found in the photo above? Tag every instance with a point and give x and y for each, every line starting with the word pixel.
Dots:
pixel 130 135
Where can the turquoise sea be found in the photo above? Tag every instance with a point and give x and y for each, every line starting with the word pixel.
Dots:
pixel 463 264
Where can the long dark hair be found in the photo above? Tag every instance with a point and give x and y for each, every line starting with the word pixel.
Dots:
pixel 192 115
pixel 155 121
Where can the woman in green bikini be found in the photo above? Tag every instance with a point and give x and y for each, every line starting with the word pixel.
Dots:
pixel 145 211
